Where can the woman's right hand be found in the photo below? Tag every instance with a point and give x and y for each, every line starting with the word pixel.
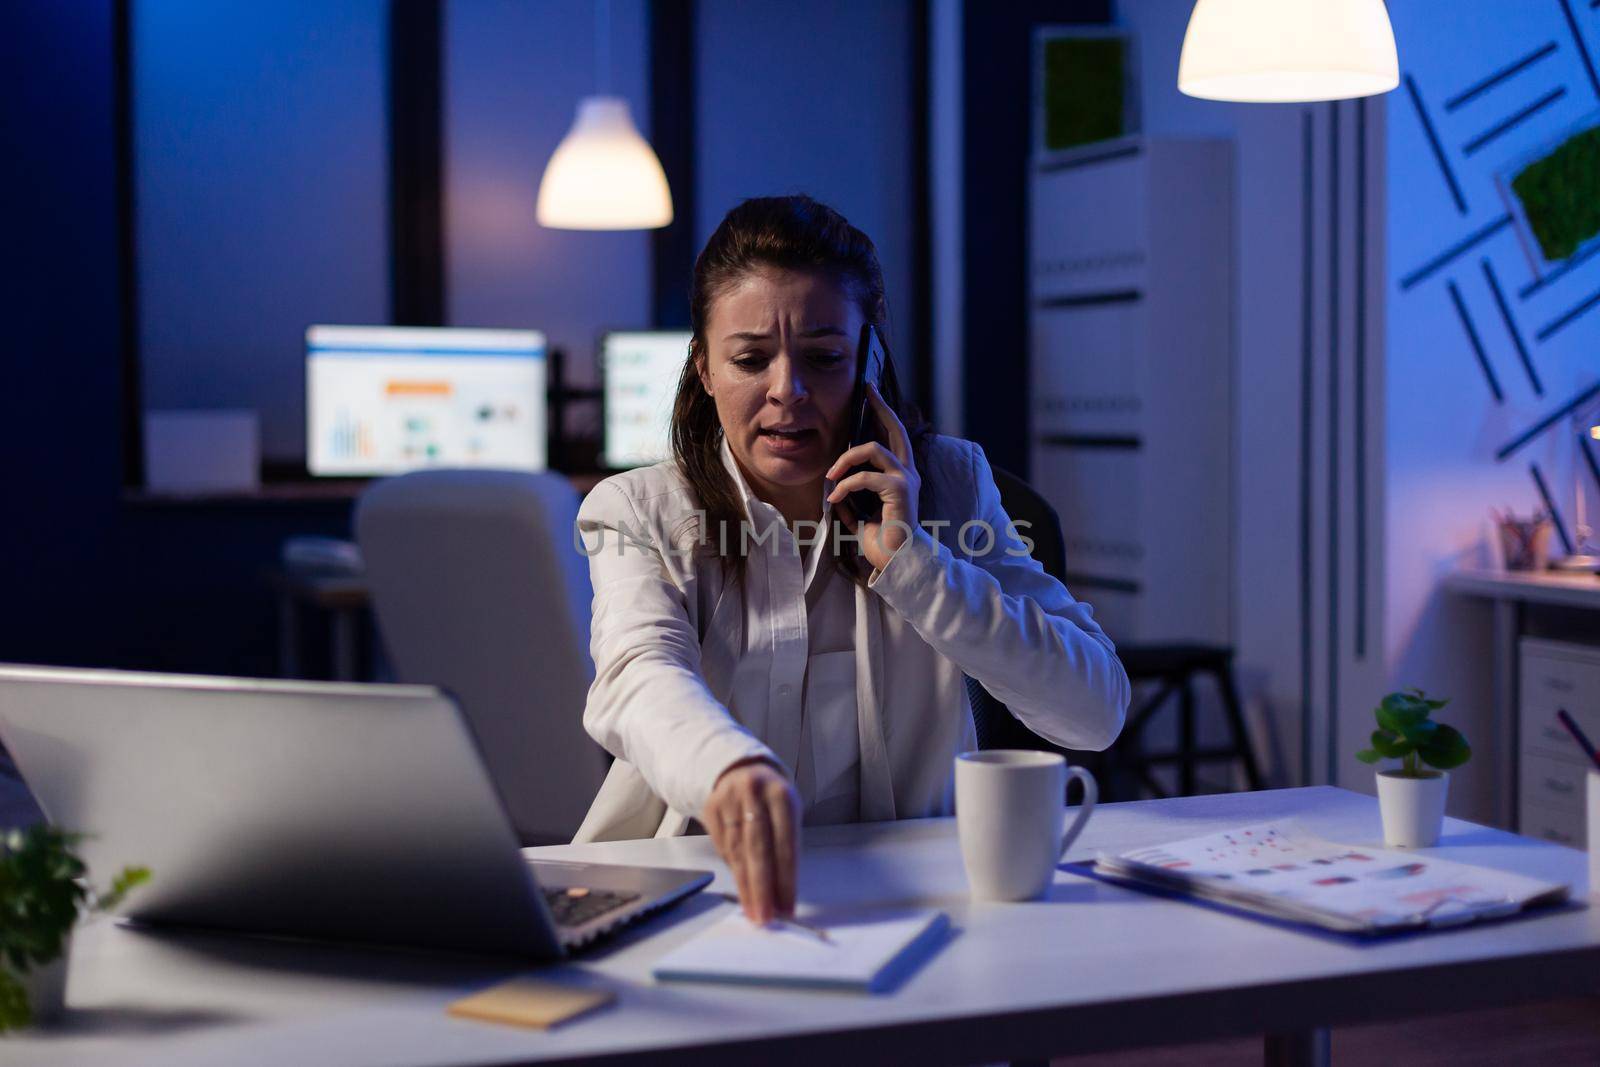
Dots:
pixel 753 817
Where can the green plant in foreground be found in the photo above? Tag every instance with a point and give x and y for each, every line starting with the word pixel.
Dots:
pixel 42 893
pixel 1406 731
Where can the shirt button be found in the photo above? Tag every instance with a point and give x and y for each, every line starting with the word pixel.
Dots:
pixel 785 690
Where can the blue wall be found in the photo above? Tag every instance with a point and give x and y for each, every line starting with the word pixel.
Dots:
pixel 514 74
pixel 1445 422
pixel 262 181
pixel 812 98
pixel 91 577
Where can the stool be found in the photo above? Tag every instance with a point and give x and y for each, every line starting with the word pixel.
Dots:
pixel 1174 667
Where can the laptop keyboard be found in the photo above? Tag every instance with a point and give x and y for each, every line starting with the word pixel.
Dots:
pixel 578 905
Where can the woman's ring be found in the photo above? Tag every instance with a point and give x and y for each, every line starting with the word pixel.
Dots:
pixel 749 816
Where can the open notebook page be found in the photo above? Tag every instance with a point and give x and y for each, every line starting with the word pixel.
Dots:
pixel 864 952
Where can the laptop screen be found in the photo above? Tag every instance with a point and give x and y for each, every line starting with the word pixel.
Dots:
pixel 389 399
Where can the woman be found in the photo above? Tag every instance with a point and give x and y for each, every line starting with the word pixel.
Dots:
pixel 755 676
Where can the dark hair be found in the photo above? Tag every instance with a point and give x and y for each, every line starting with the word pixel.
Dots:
pixel 788 233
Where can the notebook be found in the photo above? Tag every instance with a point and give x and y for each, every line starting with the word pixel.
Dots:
pixel 864 953
pixel 1283 871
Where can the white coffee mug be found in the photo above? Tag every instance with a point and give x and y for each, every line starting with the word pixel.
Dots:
pixel 1009 807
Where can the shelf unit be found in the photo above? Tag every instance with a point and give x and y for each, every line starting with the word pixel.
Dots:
pixel 1131 320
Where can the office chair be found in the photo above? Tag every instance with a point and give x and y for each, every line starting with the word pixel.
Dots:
pixel 477 588
pixel 1173 666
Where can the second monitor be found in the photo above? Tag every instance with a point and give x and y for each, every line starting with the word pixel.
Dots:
pixel 640 369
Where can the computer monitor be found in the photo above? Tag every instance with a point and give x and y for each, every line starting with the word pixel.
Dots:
pixel 389 399
pixel 640 369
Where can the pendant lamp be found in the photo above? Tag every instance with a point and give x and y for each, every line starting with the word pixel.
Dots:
pixel 1288 50
pixel 604 175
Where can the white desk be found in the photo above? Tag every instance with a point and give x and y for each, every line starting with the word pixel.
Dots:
pixel 1092 967
pixel 1509 592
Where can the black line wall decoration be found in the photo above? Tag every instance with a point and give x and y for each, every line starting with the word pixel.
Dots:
pixel 1567 319
pixel 1511 326
pixel 1560 272
pixel 1548 421
pixel 1550 506
pixel 1477 344
pixel 1477 90
pixel 1444 258
pixel 1516 119
pixel 1433 140
pixel 1583 50
pixel 1586 450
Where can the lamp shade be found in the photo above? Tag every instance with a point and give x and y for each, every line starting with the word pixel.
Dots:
pixel 603 175
pixel 1288 50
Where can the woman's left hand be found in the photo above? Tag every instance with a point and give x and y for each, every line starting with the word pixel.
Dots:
pixel 894 480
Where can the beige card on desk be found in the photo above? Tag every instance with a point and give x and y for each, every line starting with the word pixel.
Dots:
pixel 530 1002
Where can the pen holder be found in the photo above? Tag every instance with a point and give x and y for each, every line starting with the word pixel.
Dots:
pixel 1525 544
pixel 1593 830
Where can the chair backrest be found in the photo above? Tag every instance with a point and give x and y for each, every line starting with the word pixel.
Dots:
pixel 1024 504
pixel 995 725
pixel 478 588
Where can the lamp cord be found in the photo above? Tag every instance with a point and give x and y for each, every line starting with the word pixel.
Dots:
pixel 602 46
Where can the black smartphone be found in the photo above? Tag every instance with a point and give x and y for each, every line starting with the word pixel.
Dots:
pixel 869 370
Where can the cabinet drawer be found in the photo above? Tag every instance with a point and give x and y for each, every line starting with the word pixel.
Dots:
pixel 1097 493
pixel 1078 248
pixel 1088 369
pixel 1549 683
pixel 1551 824
pixel 1552 783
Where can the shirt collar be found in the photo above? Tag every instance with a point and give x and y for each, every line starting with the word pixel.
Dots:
pixel 761 514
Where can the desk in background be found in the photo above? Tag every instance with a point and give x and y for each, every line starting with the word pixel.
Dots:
pixel 1525 700
pixel 1092 967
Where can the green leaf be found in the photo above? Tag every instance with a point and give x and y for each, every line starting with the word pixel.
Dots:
pixel 1398 711
pixel 14 1010
pixel 1419 732
pixel 1369 755
pixel 1447 748
pixel 128 879
pixel 1388 744
pixel 43 890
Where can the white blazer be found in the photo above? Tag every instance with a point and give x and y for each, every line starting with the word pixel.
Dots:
pixel 674 644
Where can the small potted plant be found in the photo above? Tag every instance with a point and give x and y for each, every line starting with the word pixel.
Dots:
pixel 1412 798
pixel 42 895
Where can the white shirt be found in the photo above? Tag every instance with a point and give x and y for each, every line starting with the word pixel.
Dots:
pixel 694 672
pixel 828 752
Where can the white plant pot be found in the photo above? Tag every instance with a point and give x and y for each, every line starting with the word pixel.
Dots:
pixel 46 987
pixel 1413 808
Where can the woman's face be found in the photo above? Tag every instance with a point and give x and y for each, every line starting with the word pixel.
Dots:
pixel 780 365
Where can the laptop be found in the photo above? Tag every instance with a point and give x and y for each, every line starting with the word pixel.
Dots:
pixel 333 811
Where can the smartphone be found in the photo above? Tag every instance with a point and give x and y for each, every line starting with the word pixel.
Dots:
pixel 867 505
